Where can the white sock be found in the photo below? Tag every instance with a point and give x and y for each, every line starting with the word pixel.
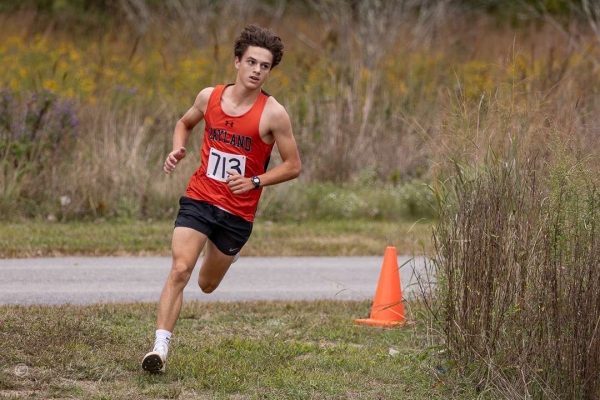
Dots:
pixel 163 337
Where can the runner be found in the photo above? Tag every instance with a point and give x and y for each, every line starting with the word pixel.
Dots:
pixel 242 123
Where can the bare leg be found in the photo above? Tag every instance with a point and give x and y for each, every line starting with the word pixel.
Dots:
pixel 187 244
pixel 214 267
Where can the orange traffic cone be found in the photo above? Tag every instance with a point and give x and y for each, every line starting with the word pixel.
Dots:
pixel 387 309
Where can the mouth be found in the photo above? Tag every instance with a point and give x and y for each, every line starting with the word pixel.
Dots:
pixel 255 78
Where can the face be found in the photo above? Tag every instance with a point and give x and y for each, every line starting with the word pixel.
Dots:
pixel 254 67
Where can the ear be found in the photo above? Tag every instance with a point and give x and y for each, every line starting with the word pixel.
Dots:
pixel 236 62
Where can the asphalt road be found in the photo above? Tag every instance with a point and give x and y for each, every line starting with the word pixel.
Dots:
pixel 86 280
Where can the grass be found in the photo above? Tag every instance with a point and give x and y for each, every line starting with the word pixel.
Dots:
pixel 259 350
pixel 328 238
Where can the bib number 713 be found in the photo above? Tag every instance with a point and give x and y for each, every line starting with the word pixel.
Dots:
pixel 219 162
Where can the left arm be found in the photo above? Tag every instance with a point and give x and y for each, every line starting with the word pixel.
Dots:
pixel 290 167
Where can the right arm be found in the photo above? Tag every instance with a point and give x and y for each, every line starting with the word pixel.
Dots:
pixel 184 126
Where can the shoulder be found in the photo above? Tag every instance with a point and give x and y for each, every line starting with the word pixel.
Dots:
pixel 204 94
pixel 202 97
pixel 206 91
pixel 276 112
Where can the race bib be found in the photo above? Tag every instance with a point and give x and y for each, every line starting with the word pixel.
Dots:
pixel 219 162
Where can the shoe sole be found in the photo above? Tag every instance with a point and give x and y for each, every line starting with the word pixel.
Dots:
pixel 153 363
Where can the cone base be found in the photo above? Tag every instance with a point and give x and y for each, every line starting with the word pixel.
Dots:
pixel 379 322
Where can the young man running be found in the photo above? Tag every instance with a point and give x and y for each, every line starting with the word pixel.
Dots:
pixel 242 123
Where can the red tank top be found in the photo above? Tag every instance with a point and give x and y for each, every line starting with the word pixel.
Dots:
pixel 230 143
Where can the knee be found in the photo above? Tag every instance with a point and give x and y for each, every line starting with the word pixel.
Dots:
pixel 207 286
pixel 180 272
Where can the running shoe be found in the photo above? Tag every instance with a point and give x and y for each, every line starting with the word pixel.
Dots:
pixel 155 361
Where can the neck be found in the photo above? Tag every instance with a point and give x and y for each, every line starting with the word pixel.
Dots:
pixel 240 94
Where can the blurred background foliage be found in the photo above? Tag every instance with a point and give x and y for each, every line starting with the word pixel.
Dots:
pixel 383 96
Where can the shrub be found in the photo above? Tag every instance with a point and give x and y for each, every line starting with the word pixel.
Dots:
pixel 37 131
pixel 358 200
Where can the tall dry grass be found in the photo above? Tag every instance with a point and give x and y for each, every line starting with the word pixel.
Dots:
pixel 516 256
pixel 516 245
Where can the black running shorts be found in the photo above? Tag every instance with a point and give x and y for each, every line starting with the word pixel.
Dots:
pixel 227 231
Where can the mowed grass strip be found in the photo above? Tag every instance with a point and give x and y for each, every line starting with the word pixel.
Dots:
pixel 257 350
pixel 327 238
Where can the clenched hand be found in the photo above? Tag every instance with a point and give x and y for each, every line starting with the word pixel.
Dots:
pixel 172 159
pixel 237 183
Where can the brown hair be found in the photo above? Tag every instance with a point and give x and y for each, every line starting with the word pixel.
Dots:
pixel 254 35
